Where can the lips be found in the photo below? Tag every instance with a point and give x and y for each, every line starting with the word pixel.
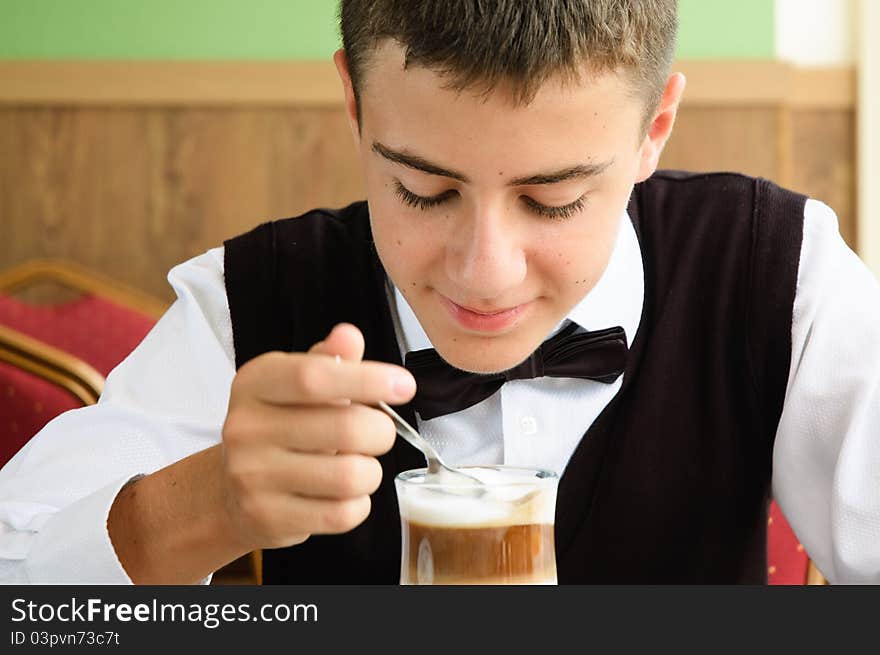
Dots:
pixel 490 312
pixel 484 320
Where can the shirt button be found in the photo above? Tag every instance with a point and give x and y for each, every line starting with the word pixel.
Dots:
pixel 528 425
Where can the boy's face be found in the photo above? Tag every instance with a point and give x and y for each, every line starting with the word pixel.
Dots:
pixel 493 220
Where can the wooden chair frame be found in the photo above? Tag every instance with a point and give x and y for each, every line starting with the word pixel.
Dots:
pixel 77 277
pixel 49 363
pixel 814 575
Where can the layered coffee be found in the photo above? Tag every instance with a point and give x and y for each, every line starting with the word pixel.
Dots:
pixel 501 533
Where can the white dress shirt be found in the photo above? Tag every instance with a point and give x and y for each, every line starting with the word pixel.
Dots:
pixel 168 399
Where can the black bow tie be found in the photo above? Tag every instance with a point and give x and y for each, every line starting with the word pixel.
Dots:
pixel 443 389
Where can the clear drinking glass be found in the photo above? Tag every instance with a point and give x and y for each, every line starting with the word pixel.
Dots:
pixel 500 533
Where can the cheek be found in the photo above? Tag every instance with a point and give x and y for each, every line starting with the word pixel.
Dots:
pixel 585 276
pixel 573 265
pixel 408 249
pixel 574 270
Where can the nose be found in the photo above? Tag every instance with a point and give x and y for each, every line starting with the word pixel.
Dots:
pixel 485 257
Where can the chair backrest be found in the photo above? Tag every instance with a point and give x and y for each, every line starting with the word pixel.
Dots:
pixel 101 322
pixel 38 382
pixel 74 276
pixel 55 352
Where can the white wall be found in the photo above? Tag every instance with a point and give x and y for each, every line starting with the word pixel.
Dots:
pixel 868 14
pixel 816 32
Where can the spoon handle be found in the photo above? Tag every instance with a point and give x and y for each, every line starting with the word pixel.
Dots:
pixel 416 440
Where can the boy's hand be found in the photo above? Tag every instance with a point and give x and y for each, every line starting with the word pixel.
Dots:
pixel 300 440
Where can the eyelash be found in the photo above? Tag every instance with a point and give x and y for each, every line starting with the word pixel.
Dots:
pixel 419 202
pixel 423 203
pixel 556 213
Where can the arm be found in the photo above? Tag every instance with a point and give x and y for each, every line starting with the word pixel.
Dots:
pixel 56 493
pixel 826 462
pixel 259 458
pixel 298 457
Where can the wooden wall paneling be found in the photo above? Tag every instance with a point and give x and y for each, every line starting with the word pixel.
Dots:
pixel 784 160
pixel 107 196
pixel 313 162
pixel 132 185
pixel 9 154
pixel 25 196
pixel 324 169
pixel 214 177
pixel 229 170
pixel 133 192
pixel 738 139
pixel 169 83
pixel 78 189
pixel 824 158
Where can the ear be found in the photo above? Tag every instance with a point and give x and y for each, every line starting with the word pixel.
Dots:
pixel 660 128
pixel 351 111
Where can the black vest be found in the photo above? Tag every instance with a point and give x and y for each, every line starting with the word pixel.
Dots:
pixel 670 484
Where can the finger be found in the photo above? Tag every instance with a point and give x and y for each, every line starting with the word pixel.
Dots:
pixel 294 517
pixel 344 340
pixel 297 378
pixel 354 428
pixel 323 476
pixel 331 516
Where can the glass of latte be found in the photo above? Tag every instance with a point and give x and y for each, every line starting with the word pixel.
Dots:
pixel 500 532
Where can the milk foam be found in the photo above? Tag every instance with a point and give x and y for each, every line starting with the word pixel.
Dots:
pixel 510 499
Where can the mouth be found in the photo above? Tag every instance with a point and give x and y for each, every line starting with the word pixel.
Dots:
pixel 484 319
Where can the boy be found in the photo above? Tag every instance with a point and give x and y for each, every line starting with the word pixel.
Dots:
pixel 509 151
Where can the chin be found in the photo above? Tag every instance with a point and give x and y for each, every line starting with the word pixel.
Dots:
pixel 480 358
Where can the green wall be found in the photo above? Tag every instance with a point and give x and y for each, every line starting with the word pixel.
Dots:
pixel 280 29
pixel 725 29
pixel 167 29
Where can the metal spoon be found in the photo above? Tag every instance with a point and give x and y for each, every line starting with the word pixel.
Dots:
pixel 441 472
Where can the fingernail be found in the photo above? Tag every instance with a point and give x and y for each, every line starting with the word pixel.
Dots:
pixel 403 385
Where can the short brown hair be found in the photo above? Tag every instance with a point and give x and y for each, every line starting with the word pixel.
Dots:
pixel 480 44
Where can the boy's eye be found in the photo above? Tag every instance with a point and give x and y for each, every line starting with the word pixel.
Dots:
pixel 420 202
pixel 426 202
pixel 561 212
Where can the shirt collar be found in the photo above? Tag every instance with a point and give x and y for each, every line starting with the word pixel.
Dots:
pixel 616 299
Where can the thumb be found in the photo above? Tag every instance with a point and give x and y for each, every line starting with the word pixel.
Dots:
pixel 344 340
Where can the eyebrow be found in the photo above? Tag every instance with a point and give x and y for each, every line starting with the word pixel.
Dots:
pixel 416 162
pixel 422 164
pixel 571 173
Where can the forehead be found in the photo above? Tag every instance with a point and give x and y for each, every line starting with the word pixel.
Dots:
pixel 413 107
pixel 387 65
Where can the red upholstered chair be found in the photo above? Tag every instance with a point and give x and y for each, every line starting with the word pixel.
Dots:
pixel 38 382
pixel 787 561
pixel 77 311
pixel 95 320
pixel 64 329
